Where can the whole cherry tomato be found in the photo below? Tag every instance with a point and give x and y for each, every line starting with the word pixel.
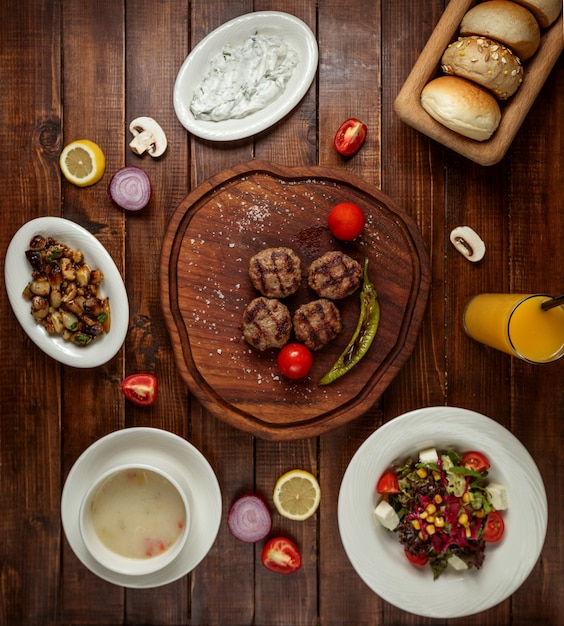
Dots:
pixel 493 527
pixel 346 221
pixel 475 461
pixel 141 389
pixel 282 556
pixel 294 361
pixel 388 483
pixel 350 137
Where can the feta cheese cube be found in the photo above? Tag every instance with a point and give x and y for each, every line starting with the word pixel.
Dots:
pixel 429 455
pixel 457 563
pixel 386 515
pixel 498 496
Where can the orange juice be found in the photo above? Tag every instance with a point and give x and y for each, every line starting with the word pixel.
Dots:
pixel 516 324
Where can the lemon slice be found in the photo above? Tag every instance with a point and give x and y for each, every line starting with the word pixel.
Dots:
pixel 297 494
pixel 82 162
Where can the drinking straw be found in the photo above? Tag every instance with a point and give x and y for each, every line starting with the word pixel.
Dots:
pixel 549 304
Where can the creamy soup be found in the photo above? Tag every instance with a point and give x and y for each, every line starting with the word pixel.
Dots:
pixel 138 513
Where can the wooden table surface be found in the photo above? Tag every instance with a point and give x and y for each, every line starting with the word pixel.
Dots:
pixel 72 70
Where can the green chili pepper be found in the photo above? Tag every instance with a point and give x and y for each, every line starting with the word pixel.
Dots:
pixel 363 335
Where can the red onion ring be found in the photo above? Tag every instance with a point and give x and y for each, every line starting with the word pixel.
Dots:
pixel 130 188
pixel 249 518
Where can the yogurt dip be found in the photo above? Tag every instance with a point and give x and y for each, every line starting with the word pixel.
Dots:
pixel 244 79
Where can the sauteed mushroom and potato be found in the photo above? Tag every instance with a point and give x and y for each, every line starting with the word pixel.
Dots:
pixel 64 292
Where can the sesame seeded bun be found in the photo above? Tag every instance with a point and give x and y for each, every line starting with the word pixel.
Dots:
pixel 546 11
pixel 485 62
pixel 462 106
pixel 504 21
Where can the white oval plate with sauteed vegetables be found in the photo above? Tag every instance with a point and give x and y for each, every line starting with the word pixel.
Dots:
pixel 377 555
pixel 18 275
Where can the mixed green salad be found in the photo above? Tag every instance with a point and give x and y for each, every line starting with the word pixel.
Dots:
pixel 442 508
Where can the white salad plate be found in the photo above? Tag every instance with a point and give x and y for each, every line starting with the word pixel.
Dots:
pixel 17 272
pixel 377 555
pixel 295 33
pixel 174 456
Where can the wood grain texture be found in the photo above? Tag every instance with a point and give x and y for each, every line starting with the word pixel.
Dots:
pixel 71 69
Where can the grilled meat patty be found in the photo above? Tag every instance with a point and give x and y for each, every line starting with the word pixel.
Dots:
pixel 334 275
pixel 267 323
pixel 316 323
pixel 276 272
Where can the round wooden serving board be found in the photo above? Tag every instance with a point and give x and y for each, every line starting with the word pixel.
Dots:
pixel 205 288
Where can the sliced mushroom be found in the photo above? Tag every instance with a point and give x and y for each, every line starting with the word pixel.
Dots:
pixel 468 243
pixel 148 136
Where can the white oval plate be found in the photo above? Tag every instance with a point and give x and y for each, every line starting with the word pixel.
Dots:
pixel 17 272
pixel 294 32
pixel 174 455
pixel 378 557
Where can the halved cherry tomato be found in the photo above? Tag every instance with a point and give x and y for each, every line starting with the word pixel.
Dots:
pixel 388 483
pixel 417 559
pixel 282 556
pixel 141 389
pixel 475 461
pixel 346 221
pixel 294 361
pixel 350 137
pixel 493 527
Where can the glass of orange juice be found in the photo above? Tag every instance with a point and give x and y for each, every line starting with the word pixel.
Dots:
pixel 516 324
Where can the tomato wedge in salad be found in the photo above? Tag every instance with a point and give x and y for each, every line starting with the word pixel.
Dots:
pixel 419 559
pixel 475 461
pixel 388 483
pixel 494 527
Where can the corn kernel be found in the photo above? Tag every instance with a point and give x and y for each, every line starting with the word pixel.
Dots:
pixel 422 472
pixel 431 508
pixel 436 475
pixel 430 519
pixel 466 497
pixel 430 528
pixel 415 523
pixel 424 515
pixel 463 519
pixel 439 522
pixel 420 535
pixel 480 513
pixel 438 499
pixel 468 532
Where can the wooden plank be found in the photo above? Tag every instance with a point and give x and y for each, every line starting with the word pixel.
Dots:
pixel 93 96
pixel 30 450
pixel 152 62
pixel 230 451
pixel 537 392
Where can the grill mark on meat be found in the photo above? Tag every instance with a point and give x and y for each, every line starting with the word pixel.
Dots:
pixel 316 323
pixel 275 272
pixel 266 323
pixel 334 275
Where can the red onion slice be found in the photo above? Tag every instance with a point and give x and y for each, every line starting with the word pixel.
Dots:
pixel 249 518
pixel 130 188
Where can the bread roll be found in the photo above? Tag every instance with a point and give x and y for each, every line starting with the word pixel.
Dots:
pixel 486 62
pixel 462 106
pixel 505 22
pixel 546 11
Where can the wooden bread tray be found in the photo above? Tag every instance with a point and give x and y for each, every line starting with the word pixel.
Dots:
pixel 513 111
pixel 205 287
